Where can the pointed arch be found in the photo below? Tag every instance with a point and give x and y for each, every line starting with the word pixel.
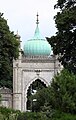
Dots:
pixel 33 80
pixel 41 80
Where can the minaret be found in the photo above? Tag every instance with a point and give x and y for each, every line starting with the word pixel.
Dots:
pixel 17 78
pixel 20 50
pixel 18 38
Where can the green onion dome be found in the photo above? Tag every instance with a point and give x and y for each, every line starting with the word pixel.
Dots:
pixel 37 46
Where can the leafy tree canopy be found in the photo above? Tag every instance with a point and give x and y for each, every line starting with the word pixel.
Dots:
pixel 64 43
pixel 62 4
pixel 60 95
pixel 8 51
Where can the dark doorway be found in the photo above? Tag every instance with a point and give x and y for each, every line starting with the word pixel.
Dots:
pixel 33 88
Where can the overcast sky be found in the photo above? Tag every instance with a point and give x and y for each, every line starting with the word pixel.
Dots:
pixel 21 16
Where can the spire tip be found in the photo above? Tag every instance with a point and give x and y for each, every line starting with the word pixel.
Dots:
pixel 37 19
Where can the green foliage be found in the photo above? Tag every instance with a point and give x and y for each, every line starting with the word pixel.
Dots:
pixel 63 92
pixel 0 97
pixel 62 116
pixel 65 4
pixel 8 51
pixel 1 117
pixel 32 116
pixel 43 116
pixel 42 97
pixel 60 95
pixel 35 86
pixel 8 114
pixel 64 43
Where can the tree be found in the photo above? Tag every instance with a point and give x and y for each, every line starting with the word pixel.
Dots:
pixel 60 95
pixel 64 92
pixel 64 4
pixel 64 43
pixel 8 51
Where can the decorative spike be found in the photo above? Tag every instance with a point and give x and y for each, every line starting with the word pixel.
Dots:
pixel 17 32
pixel 17 35
pixel 37 19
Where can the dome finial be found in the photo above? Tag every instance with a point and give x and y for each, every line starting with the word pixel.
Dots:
pixel 17 35
pixel 17 32
pixel 37 19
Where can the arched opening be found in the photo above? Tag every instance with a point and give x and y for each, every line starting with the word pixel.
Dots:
pixel 33 88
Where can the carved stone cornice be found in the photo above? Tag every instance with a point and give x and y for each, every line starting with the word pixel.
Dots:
pixel 38 59
pixel 38 70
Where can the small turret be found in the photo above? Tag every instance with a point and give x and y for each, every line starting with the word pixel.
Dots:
pixel 20 50
pixel 18 38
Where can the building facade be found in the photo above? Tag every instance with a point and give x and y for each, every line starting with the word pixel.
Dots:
pixel 36 62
